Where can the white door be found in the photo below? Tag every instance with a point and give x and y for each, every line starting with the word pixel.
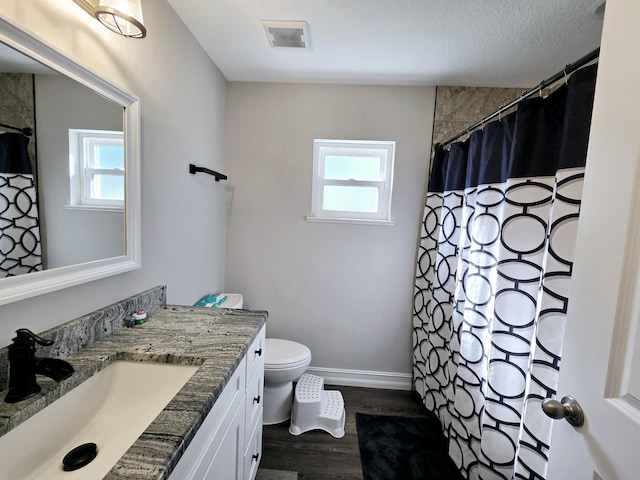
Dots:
pixel 601 356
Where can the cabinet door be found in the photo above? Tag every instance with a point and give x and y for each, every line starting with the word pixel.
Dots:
pixel 254 450
pixel 199 455
pixel 228 459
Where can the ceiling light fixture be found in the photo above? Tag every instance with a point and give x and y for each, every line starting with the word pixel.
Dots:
pixel 123 17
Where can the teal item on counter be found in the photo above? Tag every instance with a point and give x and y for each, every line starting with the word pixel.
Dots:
pixel 205 300
pixel 210 301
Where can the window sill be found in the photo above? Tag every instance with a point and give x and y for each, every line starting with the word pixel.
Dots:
pixel 355 221
pixel 94 208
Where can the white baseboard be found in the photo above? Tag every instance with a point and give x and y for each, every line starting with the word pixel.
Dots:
pixel 363 378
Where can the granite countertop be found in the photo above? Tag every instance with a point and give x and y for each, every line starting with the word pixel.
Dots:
pixel 215 339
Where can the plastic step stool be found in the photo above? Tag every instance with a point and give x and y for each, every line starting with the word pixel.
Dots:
pixel 316 409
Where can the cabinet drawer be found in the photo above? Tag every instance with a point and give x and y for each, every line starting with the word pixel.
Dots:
pixel 255 355
pixel 254 401
pixel 253 454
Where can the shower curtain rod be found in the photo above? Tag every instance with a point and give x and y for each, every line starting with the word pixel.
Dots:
pixel 27 132
pixel 570 68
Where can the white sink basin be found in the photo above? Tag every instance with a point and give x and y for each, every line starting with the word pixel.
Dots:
pixel 110 409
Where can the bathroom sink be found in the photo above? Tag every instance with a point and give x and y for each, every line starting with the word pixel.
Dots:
pixel 111 409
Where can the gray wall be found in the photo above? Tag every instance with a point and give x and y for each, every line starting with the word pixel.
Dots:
pixel 71 236
pixel 183 107
pixel 343 290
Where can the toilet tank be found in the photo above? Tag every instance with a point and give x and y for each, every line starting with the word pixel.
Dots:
pixel 234 300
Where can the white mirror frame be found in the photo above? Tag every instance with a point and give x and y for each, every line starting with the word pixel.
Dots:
pixel 29 285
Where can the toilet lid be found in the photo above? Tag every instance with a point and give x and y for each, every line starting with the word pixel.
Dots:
pixel 280 353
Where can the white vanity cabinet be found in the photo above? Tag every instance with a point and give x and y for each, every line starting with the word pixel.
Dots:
pixel 253 406
pixel 228 444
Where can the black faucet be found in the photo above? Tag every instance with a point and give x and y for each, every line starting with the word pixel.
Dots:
pixel 24 365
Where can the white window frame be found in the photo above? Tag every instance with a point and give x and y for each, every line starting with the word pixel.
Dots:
pixel 384 150
pixel 81 148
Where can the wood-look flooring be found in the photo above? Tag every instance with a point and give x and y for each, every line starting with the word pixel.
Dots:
pixel 316 455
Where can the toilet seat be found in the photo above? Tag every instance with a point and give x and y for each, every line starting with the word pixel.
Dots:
pixel 284 354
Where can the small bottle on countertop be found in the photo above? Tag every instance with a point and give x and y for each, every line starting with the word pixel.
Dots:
pixel 140 317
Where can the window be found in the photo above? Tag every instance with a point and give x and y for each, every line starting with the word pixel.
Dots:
pixel 352 181
pixel 96 169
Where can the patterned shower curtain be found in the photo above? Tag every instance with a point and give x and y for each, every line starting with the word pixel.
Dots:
pixel 492 280
pixel 20 246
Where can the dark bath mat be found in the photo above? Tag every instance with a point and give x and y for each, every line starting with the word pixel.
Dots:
pixel 403 448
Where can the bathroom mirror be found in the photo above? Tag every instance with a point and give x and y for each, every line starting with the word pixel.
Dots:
pixel 79 243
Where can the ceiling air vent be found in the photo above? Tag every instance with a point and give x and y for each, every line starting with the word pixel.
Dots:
pixel 286 34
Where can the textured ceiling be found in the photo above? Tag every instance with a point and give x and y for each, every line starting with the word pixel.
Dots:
pixel 512 43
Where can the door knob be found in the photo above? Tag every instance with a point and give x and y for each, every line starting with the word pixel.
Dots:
pixel 568 408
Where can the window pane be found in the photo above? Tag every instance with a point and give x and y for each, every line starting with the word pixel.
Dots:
pixel 342 167
pixel 347 198
pixel 109 156
pixel 107 187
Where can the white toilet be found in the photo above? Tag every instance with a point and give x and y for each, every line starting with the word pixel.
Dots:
pixel 285 362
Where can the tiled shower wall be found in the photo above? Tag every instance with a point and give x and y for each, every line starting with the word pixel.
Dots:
pixel 459 107
pixel 16 105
